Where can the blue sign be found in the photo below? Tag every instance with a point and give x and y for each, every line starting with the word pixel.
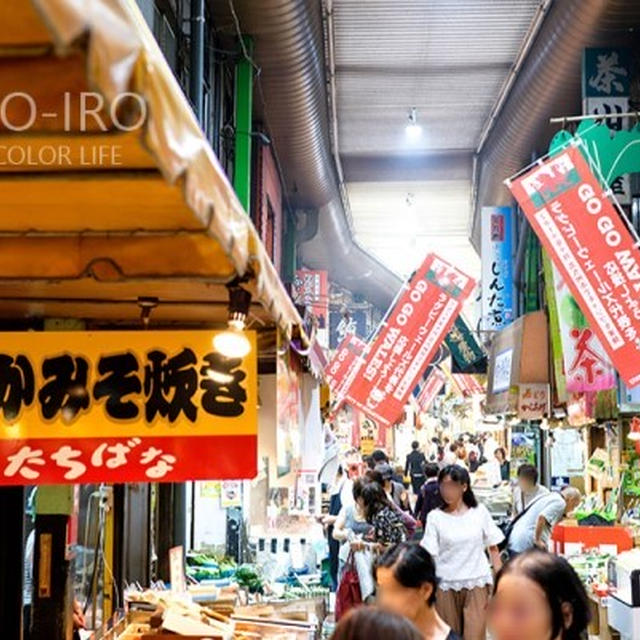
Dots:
pixel 497 268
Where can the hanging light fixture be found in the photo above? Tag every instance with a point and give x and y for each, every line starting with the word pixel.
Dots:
pixel 233 343
pixel 413 129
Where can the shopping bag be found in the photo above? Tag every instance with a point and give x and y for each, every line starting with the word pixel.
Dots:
pixel 364 565
pixel 348 595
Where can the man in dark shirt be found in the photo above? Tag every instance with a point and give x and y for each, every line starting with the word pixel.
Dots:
pixel 415 467
pixel 429 497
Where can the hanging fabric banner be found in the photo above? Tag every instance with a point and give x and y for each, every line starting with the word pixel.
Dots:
pixel 340 368
pixel 497 268
pixel 586 364
pixel 431 389
pixel 125 406
pixel 407 340
pixel 592 248
pixel 554 330
pixel 467 384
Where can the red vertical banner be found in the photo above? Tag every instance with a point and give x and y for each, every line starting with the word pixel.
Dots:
pixel 408 339
pixel 345 358
pixel 592 248
pixel 311 288
pixel 431 389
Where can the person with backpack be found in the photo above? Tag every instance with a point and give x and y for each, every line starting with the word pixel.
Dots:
pixel 527 490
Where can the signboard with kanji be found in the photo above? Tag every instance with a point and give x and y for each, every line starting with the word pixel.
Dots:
pixel 407 340
pixel 137 406
pixel 340 368
pixel 498 300
pixel 311 289
pixel 592 248
pixel 606 86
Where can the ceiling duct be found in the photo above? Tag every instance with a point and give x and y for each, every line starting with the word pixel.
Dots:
pixel 548 84
pixel 289 51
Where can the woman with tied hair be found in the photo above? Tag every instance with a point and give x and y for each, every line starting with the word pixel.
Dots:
pixel 371 623
pixel 538 596
pixel 458 535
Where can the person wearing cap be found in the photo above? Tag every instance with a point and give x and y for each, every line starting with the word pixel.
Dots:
pixel 395 490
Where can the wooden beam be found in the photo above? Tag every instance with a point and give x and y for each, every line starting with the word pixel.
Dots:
pixel 21 28
pixel 108 201
pixel 113 259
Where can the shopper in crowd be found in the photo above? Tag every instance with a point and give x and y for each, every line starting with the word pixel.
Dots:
pixel 538 596
pixel 458 536
pixel 414 467
pixel 379 456
pixel 371 623
pixel 505 466
pixel 335 506
pixel 387 526
pixel 533 528
pixel 473 461
pixel 528 489
pixel 395 491
pixel 409 522
pixel 432 451
pixel 450 455
pixel 351 523
pixel 429 497
pixel 407 584
pixel 461 454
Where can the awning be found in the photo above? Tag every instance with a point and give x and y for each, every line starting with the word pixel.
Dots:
pixel 93 219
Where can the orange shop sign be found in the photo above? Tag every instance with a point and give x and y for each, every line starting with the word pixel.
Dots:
pixel 138 406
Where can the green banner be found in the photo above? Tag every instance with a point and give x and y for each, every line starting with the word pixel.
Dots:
pixel 554 329
pixel 468 356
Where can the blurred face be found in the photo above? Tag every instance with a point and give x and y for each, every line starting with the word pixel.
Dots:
pixel 525 484
pixel 572 505
pixel 452 491
pixel 519 610
pixel 394 597
pixel 499 457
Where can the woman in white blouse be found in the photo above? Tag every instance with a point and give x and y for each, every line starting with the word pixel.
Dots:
pixel 457 536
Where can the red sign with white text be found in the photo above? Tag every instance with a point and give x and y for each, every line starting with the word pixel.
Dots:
pixel 407 340
pixel 467 384
pixel 593 249
pixel 345 358
pixel 311 288
pixel 431 389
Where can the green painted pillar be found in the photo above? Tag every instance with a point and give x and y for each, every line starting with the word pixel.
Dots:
pixel 244 117
pixel 289 257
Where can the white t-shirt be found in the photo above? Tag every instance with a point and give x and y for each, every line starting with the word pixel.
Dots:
pixel 458 543
pixel 551 508
pixel 521 502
